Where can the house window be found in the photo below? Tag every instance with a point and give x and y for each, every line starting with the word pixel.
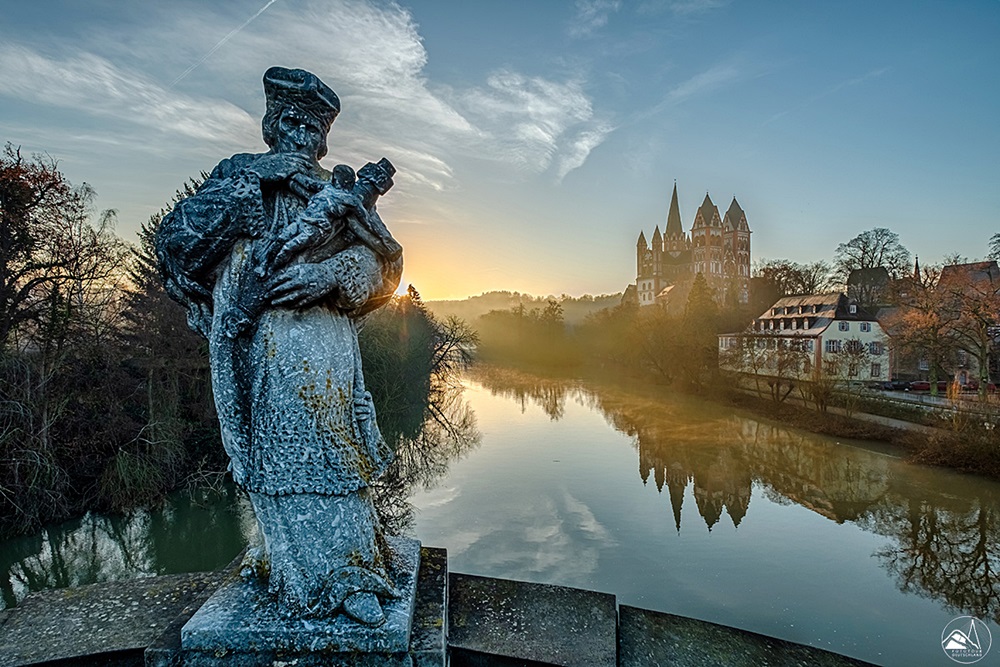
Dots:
pixel 852 370
pixel 853 309
pixel 923 365
pixel 832 346
pixel 844 326
pixel 876 370
pixel 875 348
pixel 866 326
pixel 854 346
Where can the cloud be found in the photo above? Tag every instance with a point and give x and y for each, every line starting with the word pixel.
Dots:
pixel 591 15
pixel 579 149
pixel 532 122
pixel 703 82
pixel 88 84
pixel 371 53
pixel 830 90
pixel 680 7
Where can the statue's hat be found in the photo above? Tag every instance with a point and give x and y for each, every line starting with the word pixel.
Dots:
pixel 302 90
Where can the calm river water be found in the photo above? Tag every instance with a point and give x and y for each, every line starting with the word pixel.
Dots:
pixel 666 501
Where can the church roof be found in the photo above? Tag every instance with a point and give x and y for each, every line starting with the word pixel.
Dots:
pixel 674 226
pixel 708 212
pixel 657 238
pixel 736 218
pixel 642 240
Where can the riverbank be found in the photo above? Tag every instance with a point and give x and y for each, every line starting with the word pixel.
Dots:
pixel 961 444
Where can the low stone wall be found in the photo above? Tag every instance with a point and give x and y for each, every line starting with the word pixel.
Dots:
pixel 461 620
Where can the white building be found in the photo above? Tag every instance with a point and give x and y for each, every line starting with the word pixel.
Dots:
pixel 808 337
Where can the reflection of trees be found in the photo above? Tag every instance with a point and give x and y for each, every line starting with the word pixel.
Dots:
pixel 182 536
pixel 449 432
pixel 945 547
pixel 547 393
pixel 944 531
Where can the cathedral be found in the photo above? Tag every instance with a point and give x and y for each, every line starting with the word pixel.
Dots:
pixel 717 247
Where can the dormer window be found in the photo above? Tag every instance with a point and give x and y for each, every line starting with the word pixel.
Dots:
pixel 853 309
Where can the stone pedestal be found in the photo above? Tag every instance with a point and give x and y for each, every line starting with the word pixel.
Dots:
pixel 240 626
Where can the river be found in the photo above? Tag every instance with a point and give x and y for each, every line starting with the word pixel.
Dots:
pixel 667 501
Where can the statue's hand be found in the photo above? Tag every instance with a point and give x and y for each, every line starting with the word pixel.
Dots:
pixel 363 407
pixel 292 240
pixel 301 285
pixel 279 167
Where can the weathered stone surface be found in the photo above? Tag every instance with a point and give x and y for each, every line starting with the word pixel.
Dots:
pixel 531 622
pixel 654 638
pixel 97 620
pixel 242 622
pixel 429 637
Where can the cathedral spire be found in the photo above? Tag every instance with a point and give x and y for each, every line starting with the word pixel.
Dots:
pixel 916 268
pixel 674 228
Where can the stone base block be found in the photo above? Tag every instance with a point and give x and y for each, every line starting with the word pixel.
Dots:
pixel 240 625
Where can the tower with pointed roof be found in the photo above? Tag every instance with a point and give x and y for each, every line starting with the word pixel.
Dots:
pixel 717 247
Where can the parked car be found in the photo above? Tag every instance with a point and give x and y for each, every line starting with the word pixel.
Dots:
pixel 973 385
pixel 924 385
pixel 896 385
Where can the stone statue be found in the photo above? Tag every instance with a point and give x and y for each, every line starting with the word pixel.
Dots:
pixel 277 260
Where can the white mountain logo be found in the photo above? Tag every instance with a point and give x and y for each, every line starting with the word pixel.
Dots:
pixel 966 640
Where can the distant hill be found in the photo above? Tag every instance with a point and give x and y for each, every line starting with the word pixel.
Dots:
pixel 575 309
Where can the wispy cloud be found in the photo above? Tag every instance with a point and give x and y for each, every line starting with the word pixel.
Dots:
pixel 221 42
pixel 89 84
pixel 696 6
pixel 533 122
pixel 683 8
pixel 703 82
pixel 831 90
pixel 579 148
pixel 592 15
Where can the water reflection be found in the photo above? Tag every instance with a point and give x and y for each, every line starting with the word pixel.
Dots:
pixel 448 432
pixel 943 528
pixel 99 548
pixel 206 528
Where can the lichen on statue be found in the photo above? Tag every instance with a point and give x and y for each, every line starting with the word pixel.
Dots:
pixel 276 264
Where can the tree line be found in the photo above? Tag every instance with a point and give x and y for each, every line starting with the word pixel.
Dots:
pixel 105 393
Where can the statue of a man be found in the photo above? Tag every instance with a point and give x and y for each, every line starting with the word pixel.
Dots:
pixel 276 263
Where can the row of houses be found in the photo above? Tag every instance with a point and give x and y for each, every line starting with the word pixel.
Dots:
pixel 832 336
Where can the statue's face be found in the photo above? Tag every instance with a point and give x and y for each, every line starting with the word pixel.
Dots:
pixel 298 133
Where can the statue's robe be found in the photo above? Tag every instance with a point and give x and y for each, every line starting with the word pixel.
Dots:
pixel 286 387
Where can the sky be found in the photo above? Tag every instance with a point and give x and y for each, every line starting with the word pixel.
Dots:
pixel 535 140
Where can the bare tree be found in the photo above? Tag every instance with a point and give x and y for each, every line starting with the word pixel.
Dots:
pixel 972 311
pixel 920 326
pixel 879 247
